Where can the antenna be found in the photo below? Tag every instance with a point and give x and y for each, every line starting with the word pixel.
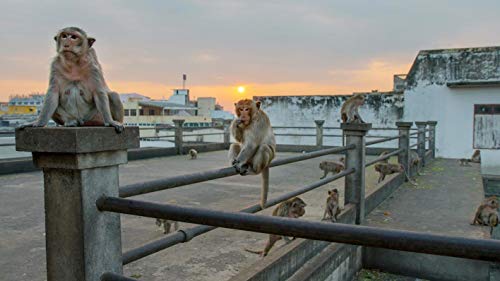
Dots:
pixel 184 78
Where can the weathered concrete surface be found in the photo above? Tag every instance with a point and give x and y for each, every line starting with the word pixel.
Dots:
pixel 444 202
pixel 217 255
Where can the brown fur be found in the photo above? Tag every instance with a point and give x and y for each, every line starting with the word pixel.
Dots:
pixel 487 212
pixel 255 143
pixel 349 111
pixel 167 224
pixel 476 156
pixel 385 169
pixel 291 208
pixel 332 209
pixel 77 93
pixel 331 166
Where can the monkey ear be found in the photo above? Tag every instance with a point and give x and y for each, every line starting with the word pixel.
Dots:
pixel 91 41
pixel 257 103
pixel 329 192
pixel 55 38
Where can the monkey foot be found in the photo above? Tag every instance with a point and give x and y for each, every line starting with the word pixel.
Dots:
pixel 118 126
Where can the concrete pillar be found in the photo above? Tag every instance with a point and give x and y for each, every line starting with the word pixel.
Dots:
pixel 178 135
pixel 421 140
pixel 227 133
pixel 432 137
pixel 79 165
pixel 319 133
pixel 355 158
pixel 404 142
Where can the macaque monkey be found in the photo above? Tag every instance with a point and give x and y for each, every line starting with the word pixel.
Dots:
pixel 464 162
pixel 77 94
pixel 291 208
pixel 349 111
pixel 255 143
pixel 167 224
pixel 415 161
pixel 385 169
pixel 331 166
pixel 487 212
pixel 193 153
pixel 332 209
pixel 476 156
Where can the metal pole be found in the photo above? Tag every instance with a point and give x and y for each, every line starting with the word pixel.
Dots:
pixel 480 249
pixel 178 135
pixel 421 141
pixel 404 143
pixel 355 159
pixel 319 133
pixel 432 136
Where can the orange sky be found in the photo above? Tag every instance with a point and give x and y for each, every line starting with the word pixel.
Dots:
pixel 376 75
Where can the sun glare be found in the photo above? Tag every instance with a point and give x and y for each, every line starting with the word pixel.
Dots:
pixel 241 89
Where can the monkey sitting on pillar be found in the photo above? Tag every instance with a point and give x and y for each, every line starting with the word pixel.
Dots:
pixel 332 209
pixel 255 143
pixel 349 110
pixel 291 208
pixel 78 94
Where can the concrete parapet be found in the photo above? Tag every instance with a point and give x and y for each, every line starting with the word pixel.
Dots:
pixel 79 166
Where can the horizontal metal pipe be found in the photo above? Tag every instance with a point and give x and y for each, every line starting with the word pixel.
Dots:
pixel 202 134
pixel 176 181
pixel 414 145
pixel 386 156
pixel 109 276
pixel 479 249
pixel 332 136
pixel 332 128
pixel 7 144
pixel 382 140
pixel 295 135
pixel 182 236
pixel 284 127
pixel 414 134
pixel 371 136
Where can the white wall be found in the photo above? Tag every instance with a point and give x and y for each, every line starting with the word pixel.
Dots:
pixel 453 108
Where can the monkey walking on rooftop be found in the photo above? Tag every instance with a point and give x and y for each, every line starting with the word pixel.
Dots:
pixel 78 94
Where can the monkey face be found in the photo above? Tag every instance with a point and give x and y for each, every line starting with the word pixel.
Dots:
pixel 245 110
pixel 298 208
pixel 72 41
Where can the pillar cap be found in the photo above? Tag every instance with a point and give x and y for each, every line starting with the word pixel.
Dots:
pixel 362 127
pixel 319 122
pixel 421 123
pixel 404 124
pixel 433 123
pixel 76 140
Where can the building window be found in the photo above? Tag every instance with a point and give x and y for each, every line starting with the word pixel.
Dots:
pixel 141 112
pixel 151 112
pixel 126 112
pixel 133 112
pixel 487 126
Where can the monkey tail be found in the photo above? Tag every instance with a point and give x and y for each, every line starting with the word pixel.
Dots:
pixel 265 187
pixel 253 251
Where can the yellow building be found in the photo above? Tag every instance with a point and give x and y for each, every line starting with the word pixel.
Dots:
pixel 25 105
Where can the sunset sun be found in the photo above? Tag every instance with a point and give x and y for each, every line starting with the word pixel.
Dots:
pixel 241 89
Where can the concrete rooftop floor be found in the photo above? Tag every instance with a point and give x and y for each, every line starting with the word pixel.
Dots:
pixel 219 254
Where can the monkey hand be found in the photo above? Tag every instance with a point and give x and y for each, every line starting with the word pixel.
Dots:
pixel 118 126
pixel 36 123
pixel 241 168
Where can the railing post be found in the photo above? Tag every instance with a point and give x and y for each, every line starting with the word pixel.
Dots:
pixel 421 141
pixel 79 166
pixel 227 133
pixel 355 158
pixel 178 135
pixel 404 143
pixel 432 137
pixel 319 133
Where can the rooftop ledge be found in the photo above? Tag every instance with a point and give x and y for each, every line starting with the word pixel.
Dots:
pixel 473 83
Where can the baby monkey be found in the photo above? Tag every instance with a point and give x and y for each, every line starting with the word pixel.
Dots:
pixel 291 208
pixel 193 153
pixel 487 213
pixel 332 209
pixel 332 166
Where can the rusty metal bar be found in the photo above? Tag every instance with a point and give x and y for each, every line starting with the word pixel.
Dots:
pixel 387 156
pixel 109 276
pixel 478 249
pixel 382 140
pixel 176 181
pixel 182 236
